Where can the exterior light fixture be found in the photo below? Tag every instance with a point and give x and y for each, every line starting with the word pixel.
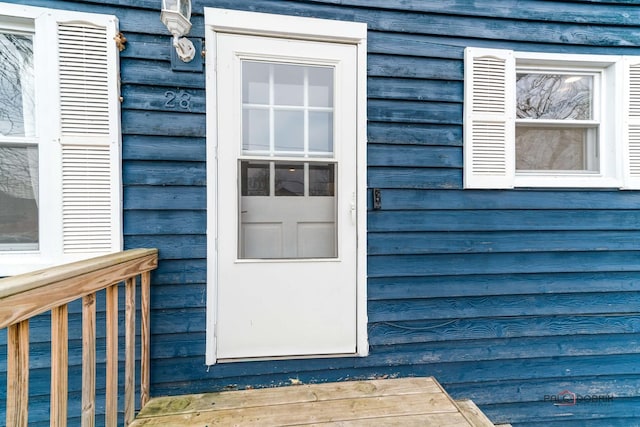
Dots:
pixel 176 16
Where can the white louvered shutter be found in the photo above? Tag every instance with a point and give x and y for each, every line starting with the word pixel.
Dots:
pixel 489 118
pixel 89 137
pixel 631 122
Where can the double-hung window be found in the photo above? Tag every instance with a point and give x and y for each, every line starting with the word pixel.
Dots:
pixel 557 124
pixel 18 142
pixel 550 120
pixel 59 137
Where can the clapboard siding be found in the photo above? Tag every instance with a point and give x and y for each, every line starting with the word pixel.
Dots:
pixel 176 148
pixel 407 156
pixel 385 333
pixel 505 296
pixel 164 173
pixel 414 67
pixel 388 288
pixel 414 243
pixel 502 220
pixel 144 197
pixel 402 177
pixel 530 10
pixel 501 263
pixel 400 133
pixel 408 44
pixel 403 310
pixel 410 89
pixel 477 288
pixel 411 199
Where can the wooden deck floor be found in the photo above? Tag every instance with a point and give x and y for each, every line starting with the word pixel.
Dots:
pixel 388 402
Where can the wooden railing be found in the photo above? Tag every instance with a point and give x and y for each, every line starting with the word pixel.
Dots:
pixel 25 296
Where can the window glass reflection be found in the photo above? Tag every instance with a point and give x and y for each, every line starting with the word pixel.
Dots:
pixel 255 130
pixel 18 197
pixel 288 84
pixel 289 179
pixel 289 131
pixel 255 82
pixel 562 149
pixel 320 87
pixel 554 96
pixel 254 178
pixel 17 90
pixel 320 132
pixel 321 180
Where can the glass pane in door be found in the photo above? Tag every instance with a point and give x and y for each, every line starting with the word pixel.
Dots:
pixel 287 208
pixel 287 110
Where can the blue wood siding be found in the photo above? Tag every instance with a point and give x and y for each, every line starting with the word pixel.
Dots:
pixel 507 297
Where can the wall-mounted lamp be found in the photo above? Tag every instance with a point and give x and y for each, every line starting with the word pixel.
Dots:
pixel 176 15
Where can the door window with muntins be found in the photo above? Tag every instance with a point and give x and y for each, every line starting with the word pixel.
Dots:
pixel 287 168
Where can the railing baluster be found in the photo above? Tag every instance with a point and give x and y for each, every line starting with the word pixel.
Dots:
pixel 26 296
pixel 88 360
pixel 18 374
pixel 59 365
pixel 111 416
pixel 130 351
pixel 145 344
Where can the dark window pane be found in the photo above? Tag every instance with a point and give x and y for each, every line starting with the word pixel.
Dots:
pixel 321 180
pixel 19 197
pixel 254 178
pixel 289 180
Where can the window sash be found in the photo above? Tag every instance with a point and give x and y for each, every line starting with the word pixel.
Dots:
pixel 551 155
pixel 546 149
pixel 59 170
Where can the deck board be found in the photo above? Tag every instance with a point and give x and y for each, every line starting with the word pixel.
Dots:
pixel 406 402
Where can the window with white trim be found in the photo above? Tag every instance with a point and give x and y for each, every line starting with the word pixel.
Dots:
pixel 59 137
pixel 551 120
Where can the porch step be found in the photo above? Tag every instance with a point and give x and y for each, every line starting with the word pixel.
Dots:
pixel 399 402
pixel 473 414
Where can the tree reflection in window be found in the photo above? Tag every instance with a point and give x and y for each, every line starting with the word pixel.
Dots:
pixel 16 85
pixel 18 153
pixel 554 96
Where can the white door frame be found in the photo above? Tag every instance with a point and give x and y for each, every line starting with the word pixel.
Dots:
pixel 240 22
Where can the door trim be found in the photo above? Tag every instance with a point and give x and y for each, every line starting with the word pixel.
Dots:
pixel 282 26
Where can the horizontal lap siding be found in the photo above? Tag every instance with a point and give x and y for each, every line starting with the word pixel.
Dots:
pixel 164 175
pixel 505 296
pixel 164 197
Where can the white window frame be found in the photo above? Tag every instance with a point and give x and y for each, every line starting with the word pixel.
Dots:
pixel 592 146
pixel 51 139
pixel 298 28
pixel 605 111
pixel 619 129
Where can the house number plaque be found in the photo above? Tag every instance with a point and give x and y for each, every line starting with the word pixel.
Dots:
pixel 178 100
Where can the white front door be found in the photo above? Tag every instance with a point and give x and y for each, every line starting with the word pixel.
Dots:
pixel 286 197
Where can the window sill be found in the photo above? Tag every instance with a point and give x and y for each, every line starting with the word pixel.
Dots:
pixel 15 263
pixel 563 180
